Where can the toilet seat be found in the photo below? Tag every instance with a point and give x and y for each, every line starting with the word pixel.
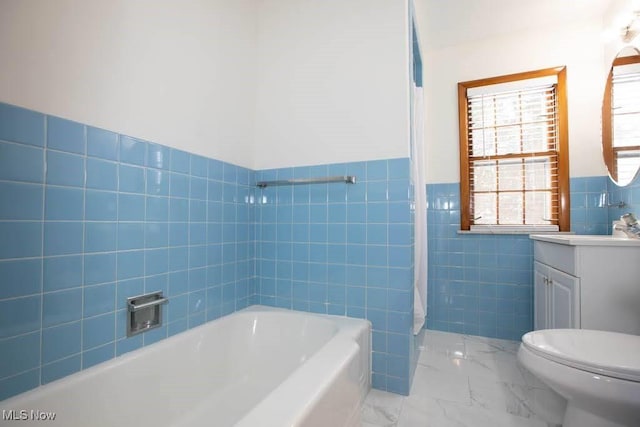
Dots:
pixel 604 353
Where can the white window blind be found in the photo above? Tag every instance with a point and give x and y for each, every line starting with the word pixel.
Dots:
pixel 513 154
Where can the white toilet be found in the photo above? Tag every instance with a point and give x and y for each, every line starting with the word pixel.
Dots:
pixel 598 372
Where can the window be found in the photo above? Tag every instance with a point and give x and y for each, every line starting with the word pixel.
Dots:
pixel 514 165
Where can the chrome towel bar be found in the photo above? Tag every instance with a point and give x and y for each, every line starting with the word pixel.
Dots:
pixel 347 179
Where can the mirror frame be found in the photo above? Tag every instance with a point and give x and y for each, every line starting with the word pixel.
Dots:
pixel 607 130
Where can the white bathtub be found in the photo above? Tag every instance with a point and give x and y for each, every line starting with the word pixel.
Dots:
pixel 256 367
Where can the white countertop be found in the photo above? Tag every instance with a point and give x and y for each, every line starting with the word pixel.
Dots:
pixel 585 240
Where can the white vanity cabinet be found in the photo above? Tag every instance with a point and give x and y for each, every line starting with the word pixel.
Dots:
pixel 588 282
pixel 557 298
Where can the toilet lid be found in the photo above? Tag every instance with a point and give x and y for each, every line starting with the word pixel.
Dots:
pixel 607 353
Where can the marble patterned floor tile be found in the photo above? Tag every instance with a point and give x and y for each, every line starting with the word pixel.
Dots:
pixel 381 408
pixel 446 341
pixel 517 399
pixel 464 380
pixel 430 383
pixel 438 413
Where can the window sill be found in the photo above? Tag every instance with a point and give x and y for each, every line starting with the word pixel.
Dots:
pixel 512 230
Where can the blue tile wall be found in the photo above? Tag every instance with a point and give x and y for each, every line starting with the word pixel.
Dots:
pixel 477 284
pixel 589 214
pixel 89 217
pixel 483 284
pixel 630 195
pixel 345 250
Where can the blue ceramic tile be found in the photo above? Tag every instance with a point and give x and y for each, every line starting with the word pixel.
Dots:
pixel 131 207
pixel 157 182
pixel 130 264
pixel 19 354
pixel 20 278
pixel 178 210
pixel 215 169
pixel 101 206
pixel 20 201
pixel 156 234
pixel 377 170
pixel 65 169
pixel 21 125
pixel 157 209
pixel 62 238
pixel 180 161
pixel 63 203
pixel 21 163
pixel 60 368
pixel 126 345
pixel 399 212
pixel 102 143
pixel 198 212
pixel 229 173
pixel 19 316
pixel 132 151
pixel 99 299
pixel 98 330
pixel 131 179
pixel 400 256
pixel 98 355
pixel 100 236
pixel 199 166
pixel 178 233
pixel 65 135
pixel 158 156
pixel 197 233
pixel 197 279
pixel 61 307
pixel 62 272
pixel 102 174
pixel 99 268
pixel 130 235
pixel 399 169
pixel 178 258
pixel 20 239
pixel 60 341
pixel 179 185
pixel 158 282
pixel 377 191
pixel 19 383
pixel 198 188
pixel 156 261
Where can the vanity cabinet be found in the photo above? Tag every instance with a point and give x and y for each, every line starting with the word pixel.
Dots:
pixel 588 282
pixel 557 298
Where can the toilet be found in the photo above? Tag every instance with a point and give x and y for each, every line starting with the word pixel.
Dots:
pixel 598 372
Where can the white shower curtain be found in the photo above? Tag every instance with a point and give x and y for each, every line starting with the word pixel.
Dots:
pixel 418 173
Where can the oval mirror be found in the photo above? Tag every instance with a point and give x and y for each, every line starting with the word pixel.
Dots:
pixel 621 117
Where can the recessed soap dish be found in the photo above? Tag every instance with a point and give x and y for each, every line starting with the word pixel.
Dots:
pixel 144 312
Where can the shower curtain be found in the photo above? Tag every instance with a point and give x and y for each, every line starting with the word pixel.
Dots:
pixel 418 174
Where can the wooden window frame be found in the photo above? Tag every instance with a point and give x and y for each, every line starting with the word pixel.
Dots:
pixel 563 142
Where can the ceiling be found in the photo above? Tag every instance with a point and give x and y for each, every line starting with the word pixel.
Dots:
pixel 450 22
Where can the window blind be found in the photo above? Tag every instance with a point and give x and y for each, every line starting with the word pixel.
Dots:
pixel 513 156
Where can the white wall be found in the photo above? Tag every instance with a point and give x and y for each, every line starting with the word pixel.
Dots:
pixel 333 82
pixel 177 73
pixel 578 45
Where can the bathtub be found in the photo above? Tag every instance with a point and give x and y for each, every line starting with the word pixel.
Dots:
pixel 257 367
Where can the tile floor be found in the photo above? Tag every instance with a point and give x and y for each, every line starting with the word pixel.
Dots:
pixel 464 380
